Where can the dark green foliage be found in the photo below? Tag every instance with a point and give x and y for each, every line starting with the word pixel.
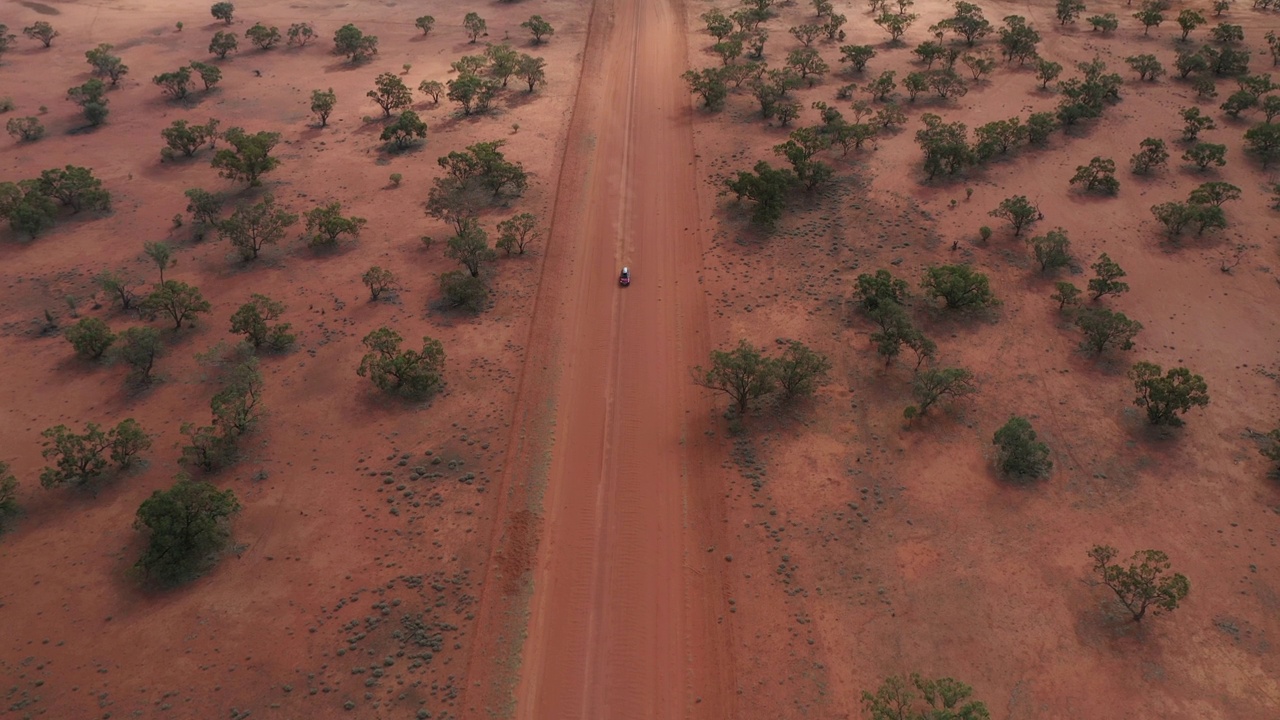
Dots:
pixel 718 25
pixel 743 373
pixel 1150 15
pixel 322 104
pixel 236 408
pixel 1020 454
pixel 470 247
pixel 1052 250
pixel 1227 34
pixel 1147 66
pixel 1040 126
pixel 1214 193
pixel 204 207
pixel 1018 40
pixel 1068 10
pixel 895 24
pixel 253 321
pixel 223 11
pixel 406 131
pixel 425 24
pixel 1189 20
pixel 515 233
pixel 25 129
pixel 945 145
pixel 300 34
pixel 896 332
pixel 74 187
pixel 91 337
pixel 709 84
pixel 1167 396
pixel 917 698
pixel 176 300
pixel 91 97
pixel 138 348
pixel 326 226
pixel 1151 154
pixel 1106 22
pixel 857 56
pixel 223 43
pixel 1103 328
pixel 390 93
pixel 474 25
pixel 210 75
pixel 539 29
pixel 433 89
pixel 873 292
pixel 800 370
pixel 379 281
pixel 933 384
pixel 41 31
pixel 354 44
pixel 176 84
pixel 959 285
pixel 1098 176
pixel 1204 154
pixel 767 188
pixel 415 374
pixel 263 37
pixel 249 156
pixel 1066 294
pixel 8 492
pixel 29 209
pixel 1194 122
pixel 530 69
pixel 463 291
pixel 967 23
pixel 882 86
pixel 252 227
pixel 1107 278
pixel 1263 142
pixel 186 527
pixel 1143 585
pixel 119 287
pixel 473 93
pixel 105 64
pixel 79 459
pixel 1018 210
pixel 186 138
pixel 1238 102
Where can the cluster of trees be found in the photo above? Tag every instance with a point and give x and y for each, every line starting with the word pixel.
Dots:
pixel 179 83
pixel 32 206
pixel 415 374
pixel 476 178
pixel 746 374
pixel 1202 209
pixel 920 698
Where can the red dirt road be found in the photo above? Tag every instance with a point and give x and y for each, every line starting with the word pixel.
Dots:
pixel 616 627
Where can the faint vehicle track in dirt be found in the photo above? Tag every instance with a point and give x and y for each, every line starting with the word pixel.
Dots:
pixel 625 600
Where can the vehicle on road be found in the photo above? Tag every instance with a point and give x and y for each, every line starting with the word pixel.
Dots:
pixel 625 278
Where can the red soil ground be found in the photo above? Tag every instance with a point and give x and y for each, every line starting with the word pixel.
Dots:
pixel 596 545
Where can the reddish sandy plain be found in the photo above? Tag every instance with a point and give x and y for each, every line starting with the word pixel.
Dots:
pixel 592 543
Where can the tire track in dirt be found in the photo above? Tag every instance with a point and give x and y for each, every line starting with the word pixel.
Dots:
pixel 614 629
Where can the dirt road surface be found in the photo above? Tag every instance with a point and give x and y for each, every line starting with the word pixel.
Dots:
pixel 614 631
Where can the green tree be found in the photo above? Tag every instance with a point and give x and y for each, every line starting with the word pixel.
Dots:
pixel 249 156
pixel 1106 280
pixel 1175 216
pixel 1214 193
pixel 1098 176
pixel 857 56
pixel 6 40
pixel 1068 10
pixel 354 44
pixel 26 130
pixel 105 64
pixel 139 348
pixel 74 187
pixel 473 93
pixel 223 11
pixel 532 70
pixel 1227 34
pixel 300 34
pixel 1150 15
pixel 262 36
pixel 121 287
pixel 210 75
pixel 1263 142
pixel 897 332
pixel 186 527
pixel 540 28
pixel 1018 210
pixel 1204 154
pixel 743 373
pixel 223 43
pixel 718 25
pixel 176 84
pixel 1103 328
pixel 1165 397
pixel 1040 126
pixel 933 384
pixel 177 300
pixel 1047 71
pixel 1019 453
pixel 945 145
pixel 917 698
pixel 474 25
pixel 470 247
pixel 8 492
pixel 709 84
pixel 873 292
pixel 1066 294
pixel 517 232
pixel 79 459
pixel 1143 585
pixel 91 97
pixel 1151 154
pixel 1052 250
pixel 161 254
pixel 41 31
pixel 405 131
pixel 1107 23
pixel 960 286
pixel 425 24
pixel 1147 66
pixel 414 374
pixel 895 24
pixel 29 209
pixel 252 227
pixel 326 225
pixel 1194 123
pixel 503 62
pixel 90 337
pixel 460 290
pixel 379 281
pixel 183 137
pixel 432 88
pixel 390 93
pixel 800 370
pixel 253 321
pixel 322 104
pixel 1018 40
pixel 967 23
pixel 767 188
pixel 1189 20
pixel 998 137
pixel 204 207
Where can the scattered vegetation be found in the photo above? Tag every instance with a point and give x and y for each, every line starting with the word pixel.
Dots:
pixel 1143 584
